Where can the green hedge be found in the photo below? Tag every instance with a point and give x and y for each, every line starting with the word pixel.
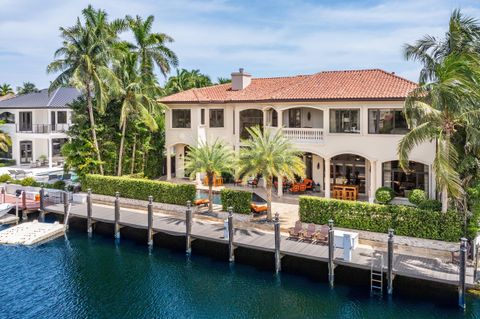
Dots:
pixel 162 192
pixel 405 220
pixel 239 200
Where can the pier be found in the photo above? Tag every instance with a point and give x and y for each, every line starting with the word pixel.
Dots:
pixel 31 233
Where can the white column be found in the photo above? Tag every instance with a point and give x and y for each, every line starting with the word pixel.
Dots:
pixel 280 186
pixel 50 153
pixel 237 127
pixel 373 181
pixel 432 185
pixel 169 163
pixel 280 118
pixel 327 177
pixel 198 179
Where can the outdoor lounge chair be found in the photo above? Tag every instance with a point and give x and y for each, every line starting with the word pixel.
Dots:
pixel 258 209
pixel 295 188
pixel 322 235
pixel 253 183
pixel 308 184
pixel 13 172
pixel 296 232
pixel 302 188
pixel 201 202
pixel 310 233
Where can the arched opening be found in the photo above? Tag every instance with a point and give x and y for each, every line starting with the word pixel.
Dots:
pixel 250 118
pixel 272 118
pixel 402 182
pixel 350 170
pixel 7 118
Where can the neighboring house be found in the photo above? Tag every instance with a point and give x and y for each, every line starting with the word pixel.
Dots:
pixel 37 123
pixel 347 123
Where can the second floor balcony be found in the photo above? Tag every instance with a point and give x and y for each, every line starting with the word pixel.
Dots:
pixel 41 128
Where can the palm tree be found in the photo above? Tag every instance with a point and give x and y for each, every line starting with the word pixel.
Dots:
pixel 84 59
pixel 269 155
pixel 27 87
pixel 185 80
pixel 437 110
pixel 221 80
pixel 211 159
pixel 5 140
pixel 137 99
pixel 5 89
pixel 151 48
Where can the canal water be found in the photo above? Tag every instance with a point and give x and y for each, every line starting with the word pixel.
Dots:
pixel 80 277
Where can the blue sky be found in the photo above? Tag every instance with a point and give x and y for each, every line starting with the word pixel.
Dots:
pixel 267 38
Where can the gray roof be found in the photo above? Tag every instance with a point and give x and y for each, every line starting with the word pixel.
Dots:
pixel 58 98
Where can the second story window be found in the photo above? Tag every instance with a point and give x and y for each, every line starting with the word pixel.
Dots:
pixel 181 118
pixel 386 121
pixel 7 118
pixel 345 121
pixel 216 118
pixel 62 117
pixel 202 117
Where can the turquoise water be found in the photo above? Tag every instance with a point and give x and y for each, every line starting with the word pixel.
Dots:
pixel 96 278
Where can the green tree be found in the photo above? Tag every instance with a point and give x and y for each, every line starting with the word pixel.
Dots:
pixel 221 80
pixel 185 80
pixel 5 140
pixel 83 61
pixel 435 111
pixel 27 87
pixel 211 159
pixel 269 155
pixel 5 89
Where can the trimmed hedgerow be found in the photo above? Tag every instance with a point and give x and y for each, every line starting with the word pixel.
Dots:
pixel 405 220
pixel 162 192
pixel 239 200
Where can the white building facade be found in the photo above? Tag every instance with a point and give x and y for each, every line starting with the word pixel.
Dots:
pixel 348 125
pixel 37 124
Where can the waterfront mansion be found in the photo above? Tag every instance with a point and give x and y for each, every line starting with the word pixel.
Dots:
pixel 347 123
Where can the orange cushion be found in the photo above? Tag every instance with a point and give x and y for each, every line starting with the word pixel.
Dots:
pixel 259 208
pixel 201 201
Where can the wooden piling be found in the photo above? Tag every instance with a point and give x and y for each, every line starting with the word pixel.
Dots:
pixel 24 206
pixel 65 208
pixel 331 251
pixel 150 221
pixel 41 215
pixel 462 273
pixel 89 212
pixel 390 262
pixel 2 192
pixel 278 262
pixel 231 248
pixel 117 215
pixel 17 197
pixel 188 225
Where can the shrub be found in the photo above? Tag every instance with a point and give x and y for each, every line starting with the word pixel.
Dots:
pixel 430 204
pixel 239 200
pixel 28 181
pixel 473 196
pixel 5 178
pixel 58 185
pixel 416 196
pixel 384 195
pixel 405 220
pixel 162 192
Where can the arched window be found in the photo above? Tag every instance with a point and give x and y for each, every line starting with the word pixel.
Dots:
pixel 416 176
pixel 7 117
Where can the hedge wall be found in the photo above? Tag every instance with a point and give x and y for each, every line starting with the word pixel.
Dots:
pixel 162 192
pixel 239 200
pixel 405 220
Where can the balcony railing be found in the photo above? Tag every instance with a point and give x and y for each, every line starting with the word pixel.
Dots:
pixel 42 128
pixel 304 135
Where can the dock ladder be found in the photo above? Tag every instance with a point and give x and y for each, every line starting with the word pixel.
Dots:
pixel 376 273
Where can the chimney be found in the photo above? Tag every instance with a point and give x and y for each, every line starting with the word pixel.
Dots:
pixel 240 80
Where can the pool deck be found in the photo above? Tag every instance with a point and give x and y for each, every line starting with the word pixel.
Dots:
pixel 424 268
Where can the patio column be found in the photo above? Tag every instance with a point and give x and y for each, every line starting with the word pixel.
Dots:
pixel 50 153
pixel 280 186
pixel 327 177
pixel 169 163
pixel 280 119
pixel 373 181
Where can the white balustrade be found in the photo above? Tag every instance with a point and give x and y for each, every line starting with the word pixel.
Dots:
pixel 304 135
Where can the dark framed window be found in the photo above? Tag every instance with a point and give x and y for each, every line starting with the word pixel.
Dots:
pixel 7 118
pixel 181 118
pixel 295 118
pixel 57 144
pixel 202 117
pixel 345 121
pixel 386 121
pixel 25 121
pixel 415 177
pixel 216 118
pixel 62 117
pixel 274 118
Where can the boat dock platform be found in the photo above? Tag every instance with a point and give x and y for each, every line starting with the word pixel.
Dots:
pixel 423 268
pixel 31 233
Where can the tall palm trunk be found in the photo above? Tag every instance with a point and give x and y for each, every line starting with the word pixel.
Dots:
pixel 120 153
pixel 269 199
pixel 444 187
pixel 132 168
pixel 210 192
pixel 93 128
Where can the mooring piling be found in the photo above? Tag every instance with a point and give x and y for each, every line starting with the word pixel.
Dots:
pixel 231 248
pixel 150 221
pixel 331 251
pixel 390 262
pixel 89 212
pixel 24 206
pixel 41 215
pixel 462 273
pixel 188 225
pixel 276 226
pixel 117 215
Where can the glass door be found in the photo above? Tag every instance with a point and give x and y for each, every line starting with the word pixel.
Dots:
pixel 26 152
pixel 25 121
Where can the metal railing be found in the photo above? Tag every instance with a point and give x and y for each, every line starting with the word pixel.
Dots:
pixel 42 128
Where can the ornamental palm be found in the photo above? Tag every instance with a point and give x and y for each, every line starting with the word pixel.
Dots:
pixel 151 48
pixel 5 140
pixel 269 155
pixel 211 159
pixel 136 99
pixel 436 110
pixel 84 59
pixel 27 87
pixel 185 80
pixel 5 89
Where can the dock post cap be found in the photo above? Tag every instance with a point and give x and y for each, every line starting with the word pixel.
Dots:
pixel 330 223
pixel 230 210
pixel 390 232
pixel 89 190
pixel 117 194
pixel 189 203
pixel 150 199
pixel 277 219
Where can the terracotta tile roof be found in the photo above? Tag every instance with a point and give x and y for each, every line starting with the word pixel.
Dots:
pixel 351 85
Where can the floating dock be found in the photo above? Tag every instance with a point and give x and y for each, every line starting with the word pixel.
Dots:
pixel 31 233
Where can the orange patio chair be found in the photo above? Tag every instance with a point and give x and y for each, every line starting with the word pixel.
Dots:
pixel 258 209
